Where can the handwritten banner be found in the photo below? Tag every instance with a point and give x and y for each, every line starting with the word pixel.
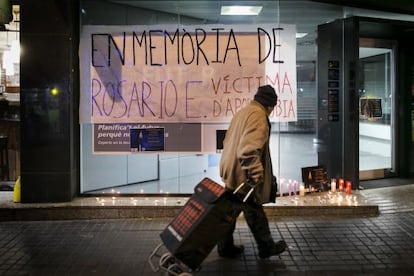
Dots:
pixel 194 74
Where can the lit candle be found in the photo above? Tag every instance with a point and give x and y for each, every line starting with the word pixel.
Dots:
pixel 290 187
pixel 333 185
pixel 280 187
pixel 295 183
pixel 341 185
pixel 301 190
pixel 348 187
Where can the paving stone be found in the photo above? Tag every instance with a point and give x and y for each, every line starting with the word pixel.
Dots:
pixel 121 247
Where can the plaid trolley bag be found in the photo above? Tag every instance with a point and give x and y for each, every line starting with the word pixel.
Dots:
pixel 197 228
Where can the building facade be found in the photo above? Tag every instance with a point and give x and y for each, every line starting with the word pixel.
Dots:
pixel 350 94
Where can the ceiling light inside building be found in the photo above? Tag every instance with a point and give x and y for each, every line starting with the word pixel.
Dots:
pixel 300 35
pixel 241 10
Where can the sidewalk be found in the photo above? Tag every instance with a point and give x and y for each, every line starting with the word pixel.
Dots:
pixel 318 245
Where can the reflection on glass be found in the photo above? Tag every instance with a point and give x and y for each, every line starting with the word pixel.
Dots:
pixel 375 109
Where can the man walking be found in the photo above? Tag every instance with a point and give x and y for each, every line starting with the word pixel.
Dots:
pixel 246 154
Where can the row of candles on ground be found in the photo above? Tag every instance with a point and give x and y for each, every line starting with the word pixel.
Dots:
pixel 293 185
pixel 328 199
pixel 131 201
pixel 334 195
pixel 116 201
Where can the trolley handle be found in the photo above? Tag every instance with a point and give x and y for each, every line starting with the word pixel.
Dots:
pixel 248 182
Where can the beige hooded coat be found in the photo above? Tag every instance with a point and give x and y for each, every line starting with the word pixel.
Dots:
pixel 246 149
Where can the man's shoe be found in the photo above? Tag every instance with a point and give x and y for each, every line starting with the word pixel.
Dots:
pixel 231 252
pixel 275 249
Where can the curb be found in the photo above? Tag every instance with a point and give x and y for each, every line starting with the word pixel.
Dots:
pixel 130 212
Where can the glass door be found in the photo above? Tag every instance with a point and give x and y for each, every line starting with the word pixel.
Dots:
pixel 376 109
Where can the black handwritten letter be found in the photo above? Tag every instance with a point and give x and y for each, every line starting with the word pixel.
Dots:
pixel 259 30
pixel 276 35
pixel 199 42
pixel 172 40
pixel 152 47
pixel 121 55
pixel 235 47
pixel 190 45
pixel 217 60
pixel 140 41
pixel 93 49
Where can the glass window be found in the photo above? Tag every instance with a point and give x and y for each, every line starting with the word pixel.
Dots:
pixel 178 171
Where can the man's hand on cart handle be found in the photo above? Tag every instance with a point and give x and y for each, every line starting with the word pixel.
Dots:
pixel 254 178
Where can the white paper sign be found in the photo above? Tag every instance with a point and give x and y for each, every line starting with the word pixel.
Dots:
pixel 191 74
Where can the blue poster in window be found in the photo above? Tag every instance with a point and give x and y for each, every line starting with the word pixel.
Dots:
pixel 147 139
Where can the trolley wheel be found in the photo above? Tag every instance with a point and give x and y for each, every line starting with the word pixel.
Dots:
pixel 167 260
pixel 155 255
pixel 176 269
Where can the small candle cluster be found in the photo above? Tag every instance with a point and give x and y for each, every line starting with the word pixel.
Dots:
pixel 336 192
pixel 293 187
pixel 342 184
pixel 290 187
